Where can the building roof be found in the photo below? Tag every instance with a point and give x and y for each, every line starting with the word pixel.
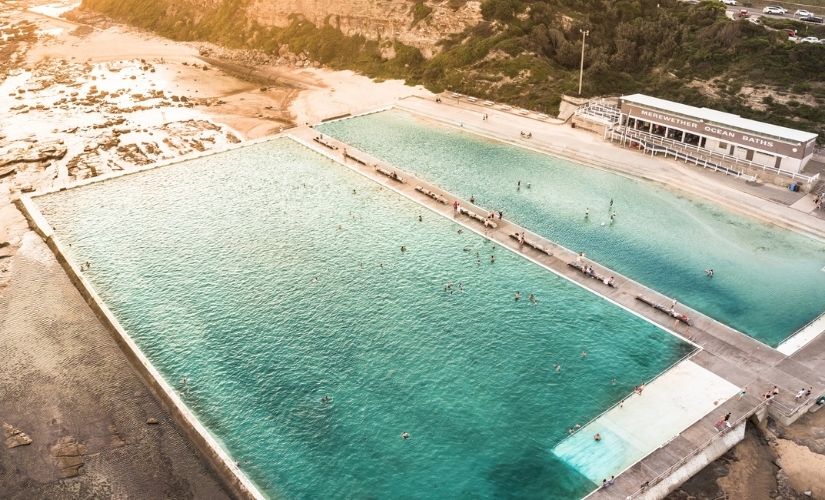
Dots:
pixel 721 118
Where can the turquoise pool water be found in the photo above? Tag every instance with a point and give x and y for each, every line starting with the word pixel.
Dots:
pixel 272 277
pixel 768 282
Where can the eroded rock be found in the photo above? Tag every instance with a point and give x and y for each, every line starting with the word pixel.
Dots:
pixel 15 437
pixel 68 454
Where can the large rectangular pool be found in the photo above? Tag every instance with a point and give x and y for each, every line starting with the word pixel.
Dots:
pixel 768 282
pixel 269 286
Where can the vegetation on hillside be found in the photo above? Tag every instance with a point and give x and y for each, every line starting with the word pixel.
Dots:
pixel 527 52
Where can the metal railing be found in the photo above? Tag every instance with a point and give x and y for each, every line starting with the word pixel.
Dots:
pixel 682 461
pixel 733 161
pixel 600 111
pixel 781 407
pixel 655 144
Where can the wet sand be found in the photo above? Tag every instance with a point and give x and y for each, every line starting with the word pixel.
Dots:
pixel 68 386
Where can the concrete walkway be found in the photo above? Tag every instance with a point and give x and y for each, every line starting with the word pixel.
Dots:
pixel 738 359
pixel 641 423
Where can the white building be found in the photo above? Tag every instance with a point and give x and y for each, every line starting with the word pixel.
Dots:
pixel 719 132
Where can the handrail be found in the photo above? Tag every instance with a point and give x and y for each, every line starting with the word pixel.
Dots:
pixel 599 111
pixel 764 403
pixel 656 480
pixel 644 138
pixel 627 131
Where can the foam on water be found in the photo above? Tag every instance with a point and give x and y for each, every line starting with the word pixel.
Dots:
pixel 269 277
pixel 766 283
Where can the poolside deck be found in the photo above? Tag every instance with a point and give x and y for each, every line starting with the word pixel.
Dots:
pixel 728 354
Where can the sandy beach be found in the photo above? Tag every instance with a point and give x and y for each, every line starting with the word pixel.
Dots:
pixel 81 97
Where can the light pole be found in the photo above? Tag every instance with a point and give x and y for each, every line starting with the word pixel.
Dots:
pixel 581 69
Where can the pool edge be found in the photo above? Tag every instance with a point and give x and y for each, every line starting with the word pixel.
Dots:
pixel 230 475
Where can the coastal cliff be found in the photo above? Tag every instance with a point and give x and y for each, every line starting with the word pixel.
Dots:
pixel 522 52
pixel 420 24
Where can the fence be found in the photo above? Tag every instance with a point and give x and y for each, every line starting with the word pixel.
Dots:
pixel 780 407
pixel 600 112
pixel 682 461
pixel 702 155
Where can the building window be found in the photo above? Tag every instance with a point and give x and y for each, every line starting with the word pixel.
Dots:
pixel 723 145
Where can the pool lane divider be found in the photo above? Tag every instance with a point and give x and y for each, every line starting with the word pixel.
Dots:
pixel 231 476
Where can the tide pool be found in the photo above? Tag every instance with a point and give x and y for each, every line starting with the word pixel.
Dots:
pixel 767 282
pixel 263 280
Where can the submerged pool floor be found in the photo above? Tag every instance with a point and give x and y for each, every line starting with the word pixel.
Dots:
pixel 767 283
pixel 272 290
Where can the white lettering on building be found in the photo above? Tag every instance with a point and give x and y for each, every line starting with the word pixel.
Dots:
pixel 668 119
pixel 732 136
pixel 757 140
pixel 719 131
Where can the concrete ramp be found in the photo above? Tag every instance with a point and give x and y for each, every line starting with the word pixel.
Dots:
pixel 643 423
pixel 801 338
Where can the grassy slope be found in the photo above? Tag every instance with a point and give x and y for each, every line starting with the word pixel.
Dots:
pixel 527 53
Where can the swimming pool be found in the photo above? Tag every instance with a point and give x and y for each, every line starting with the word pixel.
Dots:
pixel 273 277
pixel 767 283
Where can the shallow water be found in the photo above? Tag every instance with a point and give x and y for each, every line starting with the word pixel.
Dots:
pixel 768 282
pixel 273 277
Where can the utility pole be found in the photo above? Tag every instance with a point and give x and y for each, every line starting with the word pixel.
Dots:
pixel 581 69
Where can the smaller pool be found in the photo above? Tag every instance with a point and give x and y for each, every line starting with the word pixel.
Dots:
pixel 768 282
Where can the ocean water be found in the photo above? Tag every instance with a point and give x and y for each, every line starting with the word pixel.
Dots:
pixel 768 282
pixel 271 277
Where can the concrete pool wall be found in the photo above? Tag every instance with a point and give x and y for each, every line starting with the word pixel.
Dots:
pixel 217 457
pixel 227 470
pixel 211 449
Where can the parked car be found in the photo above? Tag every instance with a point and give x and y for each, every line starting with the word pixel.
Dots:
pixel 744 13
pixel 810 39
pixel 729 2
pixel 802 13
pixel 775 10
pixel 812 19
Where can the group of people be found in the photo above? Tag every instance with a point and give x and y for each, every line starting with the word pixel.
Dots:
pixel 819 200
pixel 772 393
pixel 803 393
pixel 526 135
pixel 532 298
